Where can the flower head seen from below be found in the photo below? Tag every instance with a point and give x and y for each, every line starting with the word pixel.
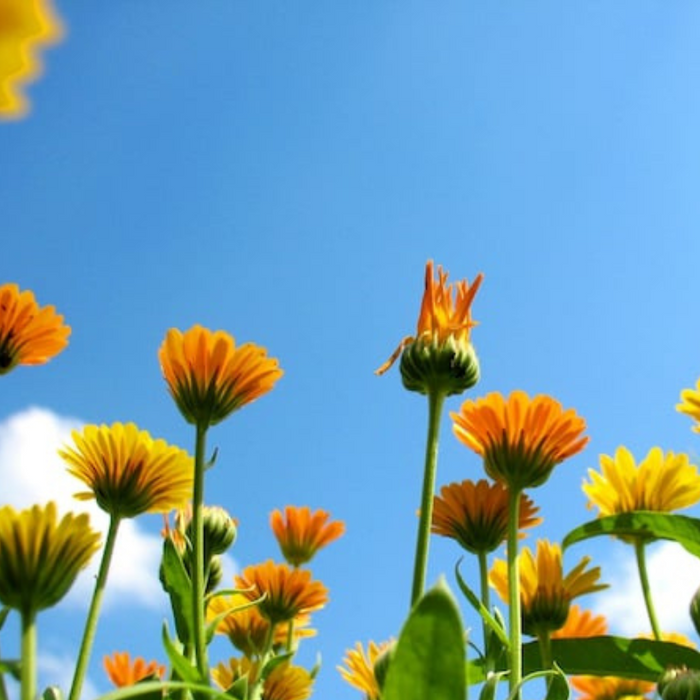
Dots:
pixel 440 356
pixel 301 532
pixel 581 623
pixel 287 592
pixel 661 482
pixel 608 688
pixel 520 439
pixel 545 593
pixel 476 514
pixel 359 668
pixel 123 672
pixel 209 377
pixel 26 27
pixel 127 471
pixel 41 556
pixel 690 405
pixel 287 682
pixel 225 674
pixel 29 334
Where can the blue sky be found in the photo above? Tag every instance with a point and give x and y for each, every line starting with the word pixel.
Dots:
pixel 284 172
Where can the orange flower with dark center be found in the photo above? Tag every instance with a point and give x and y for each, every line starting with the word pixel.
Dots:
pixel 581 623
pixel 29 335
pixel 122 671
pixel 209 377
pixel 301 533
pixel 287 592
pixel 521 439
pixel 476 514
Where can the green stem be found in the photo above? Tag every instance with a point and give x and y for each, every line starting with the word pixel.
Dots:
pixel 646 589
pixel 94 611
pixel 28 664
pixel 436 399
pixel 255 689
pixel 545 644
pixel 486 602
pixel 515 622
pixel 200 646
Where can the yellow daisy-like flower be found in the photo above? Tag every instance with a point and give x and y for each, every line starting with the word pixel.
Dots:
pixel 29 334
pixel 41 556
pixel 440 355
pixel 608 688
pixel 581 623
pixel 287 682
pixel 225 674
pixel 301 533
pixel 545 593
pixel 359 668
pixel 209 377
pixel 26 26
pixel 661 482
pixel 122 671
pixel 521 439
pixel 476 514
pixel 690 405
pixel 288 592
pixel 128 472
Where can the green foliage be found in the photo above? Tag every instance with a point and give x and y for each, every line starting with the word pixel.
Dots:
pixel 178 585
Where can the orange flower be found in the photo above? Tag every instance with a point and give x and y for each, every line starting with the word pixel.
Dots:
pixel 29 335
pixel 520 439
pixel 209 377
pixel 225 674
pixel 581 623
pixel 287 682
pixel 476 514
pixel 359 667
pixel 608 688
pixel 288 592
pixel 301 533
pixel 123 672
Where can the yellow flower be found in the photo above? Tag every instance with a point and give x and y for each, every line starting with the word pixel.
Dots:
pixel 440 355
pixel 41 556
pixel 608 688
pixel 209 377
pixel 122 671
pixel 288 592
pixel 520 439
pixel 661 482
pixel 127 471
pixel 29 335
pixel 287 682
pixel 359 668
pixel 301 533
pixel 581 623
pixel 226 674
pixel 545 593
pixel 476 514
pixel 690 404
pixel 26 26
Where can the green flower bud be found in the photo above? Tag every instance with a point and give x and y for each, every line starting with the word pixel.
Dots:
pixel 680 684
pixel 695 610
pixel 215 574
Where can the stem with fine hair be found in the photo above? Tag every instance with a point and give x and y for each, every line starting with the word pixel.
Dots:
pixel 28 664
pixel 94 611
pixel 486 602
pixel 200 645
pixel 646 589
pixel 514 615
pixel 436 399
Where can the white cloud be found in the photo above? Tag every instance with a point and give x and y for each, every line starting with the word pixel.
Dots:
pixel 674 576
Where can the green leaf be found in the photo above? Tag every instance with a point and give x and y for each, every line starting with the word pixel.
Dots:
pixel 11 666
pixel 178 585
pixel 3 616
pixel 558 688
pixel 488 690
pixel 180 663
pixel 429 658
pixel 646 524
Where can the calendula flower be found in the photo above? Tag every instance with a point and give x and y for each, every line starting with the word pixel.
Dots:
pixel 476 514
pixel 690 405
pixel 40 555
pixel 359 669
pixel 122 671
pixel 29 334
pixel 26 27
pixel 225 674
pixel 287 682
pixel 581 623
pixel 127 471
pixel 288 592
pixel 521 439
pixel 301 533
pixel 608 688
pixel 209 377
pixel 545 593
pixel 440 356
pixel 661 482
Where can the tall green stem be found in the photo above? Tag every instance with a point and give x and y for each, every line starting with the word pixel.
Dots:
pixel 28 664
pixel 545 643
pixel 646 589
pixel 516 663
pixel 436 399
pixel 94 611
pixel 200 646
pixel 486 602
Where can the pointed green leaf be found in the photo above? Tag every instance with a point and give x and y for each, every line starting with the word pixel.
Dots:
pixel 558 688
pixel 429 658
pixel 181 664
pixel 660 526
pixel 11 666
pixel 178 585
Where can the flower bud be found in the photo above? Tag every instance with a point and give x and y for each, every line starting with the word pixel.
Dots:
pixel 215 574
pixel 695 610
pixel 680 684
pixel 219 531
